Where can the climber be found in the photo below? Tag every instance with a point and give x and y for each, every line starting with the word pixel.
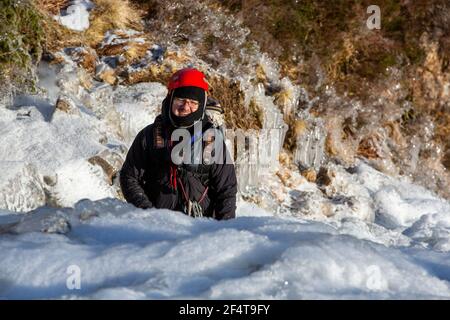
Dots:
pixel 151 178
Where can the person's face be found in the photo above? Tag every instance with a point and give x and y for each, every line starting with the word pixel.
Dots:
pixel 184 107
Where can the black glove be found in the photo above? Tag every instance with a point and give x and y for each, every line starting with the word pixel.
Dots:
pixel 143 202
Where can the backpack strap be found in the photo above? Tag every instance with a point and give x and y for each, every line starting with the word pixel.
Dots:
pixel 158 138
pixel 215 113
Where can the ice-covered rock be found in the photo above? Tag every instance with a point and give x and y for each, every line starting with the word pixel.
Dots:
pixel 432 229
pixel 67 105
pixel 103 72
pixel 138 105
pixel 21 187
pixel 80 179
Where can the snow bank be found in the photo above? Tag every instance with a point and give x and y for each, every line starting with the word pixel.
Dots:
pixel 124 252
pixel 47 144
pixel 399 203
pixel 432 229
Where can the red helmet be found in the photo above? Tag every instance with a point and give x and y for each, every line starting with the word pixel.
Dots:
pixel 188 77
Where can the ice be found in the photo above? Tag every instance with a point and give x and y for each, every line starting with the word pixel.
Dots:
pixel 310 146
pixel 351 268
pixel 21 188
pixel 47 144
pixel 113 37
pixel 248 209
pixel 261 158
pixel 41 141
pixel 138 106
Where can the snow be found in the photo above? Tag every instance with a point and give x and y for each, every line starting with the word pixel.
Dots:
pixel 66 136
pixel 121 36
pixel 128 253
pixel 79 179
pixel 76 16
pixel 399 203
pixel 21 188
pixel 433 229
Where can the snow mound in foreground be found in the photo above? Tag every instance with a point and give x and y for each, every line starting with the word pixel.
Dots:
pixel 124 252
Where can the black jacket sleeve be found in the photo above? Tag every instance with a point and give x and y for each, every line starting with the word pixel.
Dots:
pixel 224 183
pixel 132 172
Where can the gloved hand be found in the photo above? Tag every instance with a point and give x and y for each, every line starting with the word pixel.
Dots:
pixel 143 202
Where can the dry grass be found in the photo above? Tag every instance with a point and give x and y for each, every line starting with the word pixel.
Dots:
pixel 152 73
pixel 108 76
pixel 107 15
pixel 341 59
pixel 131 51
pixel 232 99
pixel 395 133
pixel 136 51
pixel 283 99
pixel 309 174
pixel 446 160
pixel 58 37
pixel 51 6
pixel 260 74
pixel 111 14
pixel 86 58
pixel 369 147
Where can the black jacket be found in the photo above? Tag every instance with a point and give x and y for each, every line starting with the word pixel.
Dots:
pixel 145 177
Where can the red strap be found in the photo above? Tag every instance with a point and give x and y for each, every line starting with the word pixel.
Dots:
pixel 173 176
pixel 173 168
pixel 203 195
pixel 186 198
